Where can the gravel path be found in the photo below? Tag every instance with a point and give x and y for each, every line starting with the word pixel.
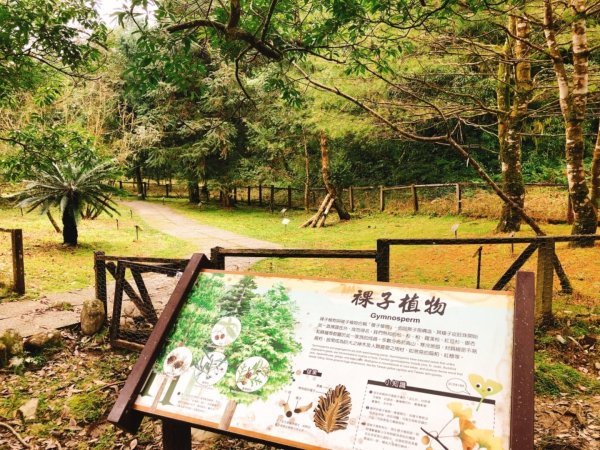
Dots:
pixel 49 312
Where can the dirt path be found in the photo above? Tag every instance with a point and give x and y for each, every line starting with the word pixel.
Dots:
pixel 63 309
pixel 203 237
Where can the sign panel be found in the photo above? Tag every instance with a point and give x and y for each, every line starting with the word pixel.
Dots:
pixel 338 365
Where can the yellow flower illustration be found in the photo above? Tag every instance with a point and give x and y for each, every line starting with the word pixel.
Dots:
pixel 459 411
pixel 485 439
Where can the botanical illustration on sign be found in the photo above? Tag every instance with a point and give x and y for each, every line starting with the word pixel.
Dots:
pixel 211 368
pixel 470 436
pixel 484 388
pixel 333 410
pixel 252 374
pixel 238 340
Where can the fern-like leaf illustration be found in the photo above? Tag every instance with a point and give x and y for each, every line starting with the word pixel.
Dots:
pixel 333 411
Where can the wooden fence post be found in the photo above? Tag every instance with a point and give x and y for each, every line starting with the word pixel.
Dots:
pixel 382 259
pixel 272 199
pixel 100 282
pixel 167 190
pixel 260 195
pixel 415 198
pixel 351 198
pixel 121 184
pixel 235 195
pixel 249 192
pixel 18 261
pixel 217 259
pixel 544 280
pixel 458 199
pixel 381 199
pixel 289 201
pixel 176 435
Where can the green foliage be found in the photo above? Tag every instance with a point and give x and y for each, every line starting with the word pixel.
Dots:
pixel 39 147
pixel 87 407
pixel 40 35
pixel 267 331
pixel 554 378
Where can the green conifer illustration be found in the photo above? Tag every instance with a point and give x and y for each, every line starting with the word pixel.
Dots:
pixel 267 331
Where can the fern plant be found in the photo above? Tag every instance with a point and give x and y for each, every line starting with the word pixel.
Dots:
pixel 74 187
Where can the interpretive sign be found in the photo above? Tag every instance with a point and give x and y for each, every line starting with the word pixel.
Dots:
pixel 310 363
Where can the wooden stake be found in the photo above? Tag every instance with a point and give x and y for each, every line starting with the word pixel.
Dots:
pixel 415 198
pixel 544 280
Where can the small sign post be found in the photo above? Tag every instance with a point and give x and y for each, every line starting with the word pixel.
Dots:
pixel 334 364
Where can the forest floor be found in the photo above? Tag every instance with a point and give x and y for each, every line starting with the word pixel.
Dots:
pixel 77 384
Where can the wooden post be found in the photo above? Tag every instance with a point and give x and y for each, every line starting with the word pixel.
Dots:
pixel 121 184
pixel 18 261
pixel 381 199
pixel 217 259
pixel 272 199
pixel 522 401
pixel 234 195
pixel 544 280
pixel 145 187
pixel 415 198
pixel 260 195
pixel 176 435
pixel 382 259
pixel 100 282
pixel 458 199
pixel 167 190
pixel 289 202
pixel 351 198
pixel 249 192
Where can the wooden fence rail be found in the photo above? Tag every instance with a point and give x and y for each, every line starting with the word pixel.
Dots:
pixel 18 259
pixel 547 261
pixel 267 195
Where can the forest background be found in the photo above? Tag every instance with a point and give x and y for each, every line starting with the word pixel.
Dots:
pixel 237 93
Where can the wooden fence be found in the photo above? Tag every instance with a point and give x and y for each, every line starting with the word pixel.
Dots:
pixel 18 260
pixel 547 265
pixel 457 197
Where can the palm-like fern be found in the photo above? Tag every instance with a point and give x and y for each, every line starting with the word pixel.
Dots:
pixel 72 187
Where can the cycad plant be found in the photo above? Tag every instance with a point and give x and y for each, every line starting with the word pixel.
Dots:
pixel 72 186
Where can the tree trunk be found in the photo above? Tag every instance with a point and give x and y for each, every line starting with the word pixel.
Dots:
pixel 227 417
pixel 573 105
pixel 511 120
pixel 69 225
pixel 139 181
pixel 227 199
pixel 306 175
pixel 331 189
pixel 596 172
pixel 52 221
pixel 193 192
pixel 585 219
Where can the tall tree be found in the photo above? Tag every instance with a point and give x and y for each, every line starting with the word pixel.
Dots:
pixel 573 97
pixel 514 93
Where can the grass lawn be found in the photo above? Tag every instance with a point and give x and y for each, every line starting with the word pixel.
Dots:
pixel 441 266
pixel 50 267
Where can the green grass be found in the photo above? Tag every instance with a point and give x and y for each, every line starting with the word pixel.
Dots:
pixel 555 378
pixel 441 266
pixel 50 267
